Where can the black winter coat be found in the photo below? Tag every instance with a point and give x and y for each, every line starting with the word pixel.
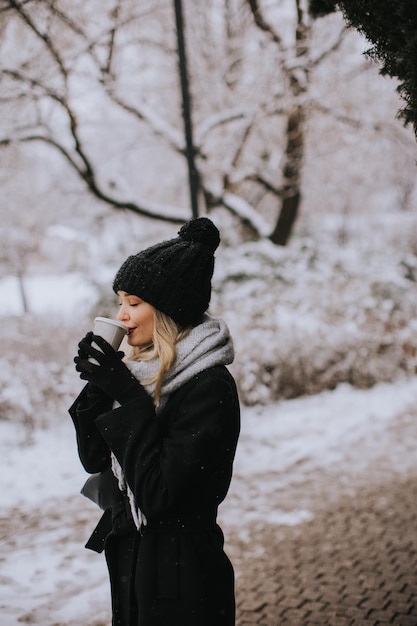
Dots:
pixel 179 466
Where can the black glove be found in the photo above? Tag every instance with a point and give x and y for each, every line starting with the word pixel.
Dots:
pixel 93 392
pixel 111 376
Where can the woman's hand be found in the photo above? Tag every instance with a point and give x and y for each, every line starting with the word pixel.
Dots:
pixel 110 375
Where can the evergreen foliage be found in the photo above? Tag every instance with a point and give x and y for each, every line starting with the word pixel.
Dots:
pixel 391 27
pixel 320 8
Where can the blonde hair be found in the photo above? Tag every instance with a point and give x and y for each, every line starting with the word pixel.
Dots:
pixel 166 333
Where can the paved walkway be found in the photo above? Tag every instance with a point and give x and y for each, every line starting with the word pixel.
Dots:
pixel 354 563
pixel 350 559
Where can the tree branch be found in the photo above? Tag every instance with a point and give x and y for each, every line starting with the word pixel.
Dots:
pixel 7 6
pixel 235 159
pixel 151 210
pixel 18 6
pixel 266 184
pixel 262 23
pixel 241 208
pixel 111 40
pixel 84 168
pixel 246 212
pixel 214 121
pixel 336 45
pixel 344 119
pixel 159 126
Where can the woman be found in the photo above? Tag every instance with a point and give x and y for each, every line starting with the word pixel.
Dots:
pixel 160 431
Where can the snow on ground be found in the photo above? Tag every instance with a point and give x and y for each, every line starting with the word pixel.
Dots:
pixel 290 455
pixel 338 435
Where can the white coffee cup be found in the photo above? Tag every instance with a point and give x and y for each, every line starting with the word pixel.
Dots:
pixel 111 330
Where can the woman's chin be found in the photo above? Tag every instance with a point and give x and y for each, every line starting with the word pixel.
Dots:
pixel 134 342
pixel 130 340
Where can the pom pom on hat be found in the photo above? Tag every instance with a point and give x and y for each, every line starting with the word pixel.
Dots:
pixel 201 230
pixel 175 276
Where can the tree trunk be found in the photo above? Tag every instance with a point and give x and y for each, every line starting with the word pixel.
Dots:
pixel 193 178
pixel 292 171
pixel 22 291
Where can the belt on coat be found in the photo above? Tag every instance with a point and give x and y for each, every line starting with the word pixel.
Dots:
pixel 182 524
pixel 196 523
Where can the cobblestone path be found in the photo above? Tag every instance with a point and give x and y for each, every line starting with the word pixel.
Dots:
pixel 354 563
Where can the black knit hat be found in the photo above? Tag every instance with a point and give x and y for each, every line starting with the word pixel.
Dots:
pixel 175 276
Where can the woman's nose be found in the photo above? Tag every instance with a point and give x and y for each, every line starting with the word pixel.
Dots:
pixel 122 314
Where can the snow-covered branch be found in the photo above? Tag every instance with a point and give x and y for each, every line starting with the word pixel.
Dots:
pixel 48 42
pixel 262 23
pixel 335 46
pixel 159 125
pixel 213 121
pixel 153 210
pixel 246 212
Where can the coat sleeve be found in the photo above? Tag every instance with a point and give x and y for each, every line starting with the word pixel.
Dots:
pixel 93 450
pixel 163 468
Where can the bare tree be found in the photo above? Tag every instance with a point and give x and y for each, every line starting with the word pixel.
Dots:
pixel 100 88
pixel 45 80
pixel 296 69
pixel 391 29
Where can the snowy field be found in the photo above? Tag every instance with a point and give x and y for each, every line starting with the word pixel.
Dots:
pixel 335 310
pixel 292 457
pixel 44 293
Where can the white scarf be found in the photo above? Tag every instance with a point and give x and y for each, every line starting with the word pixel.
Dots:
pixel 205 346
